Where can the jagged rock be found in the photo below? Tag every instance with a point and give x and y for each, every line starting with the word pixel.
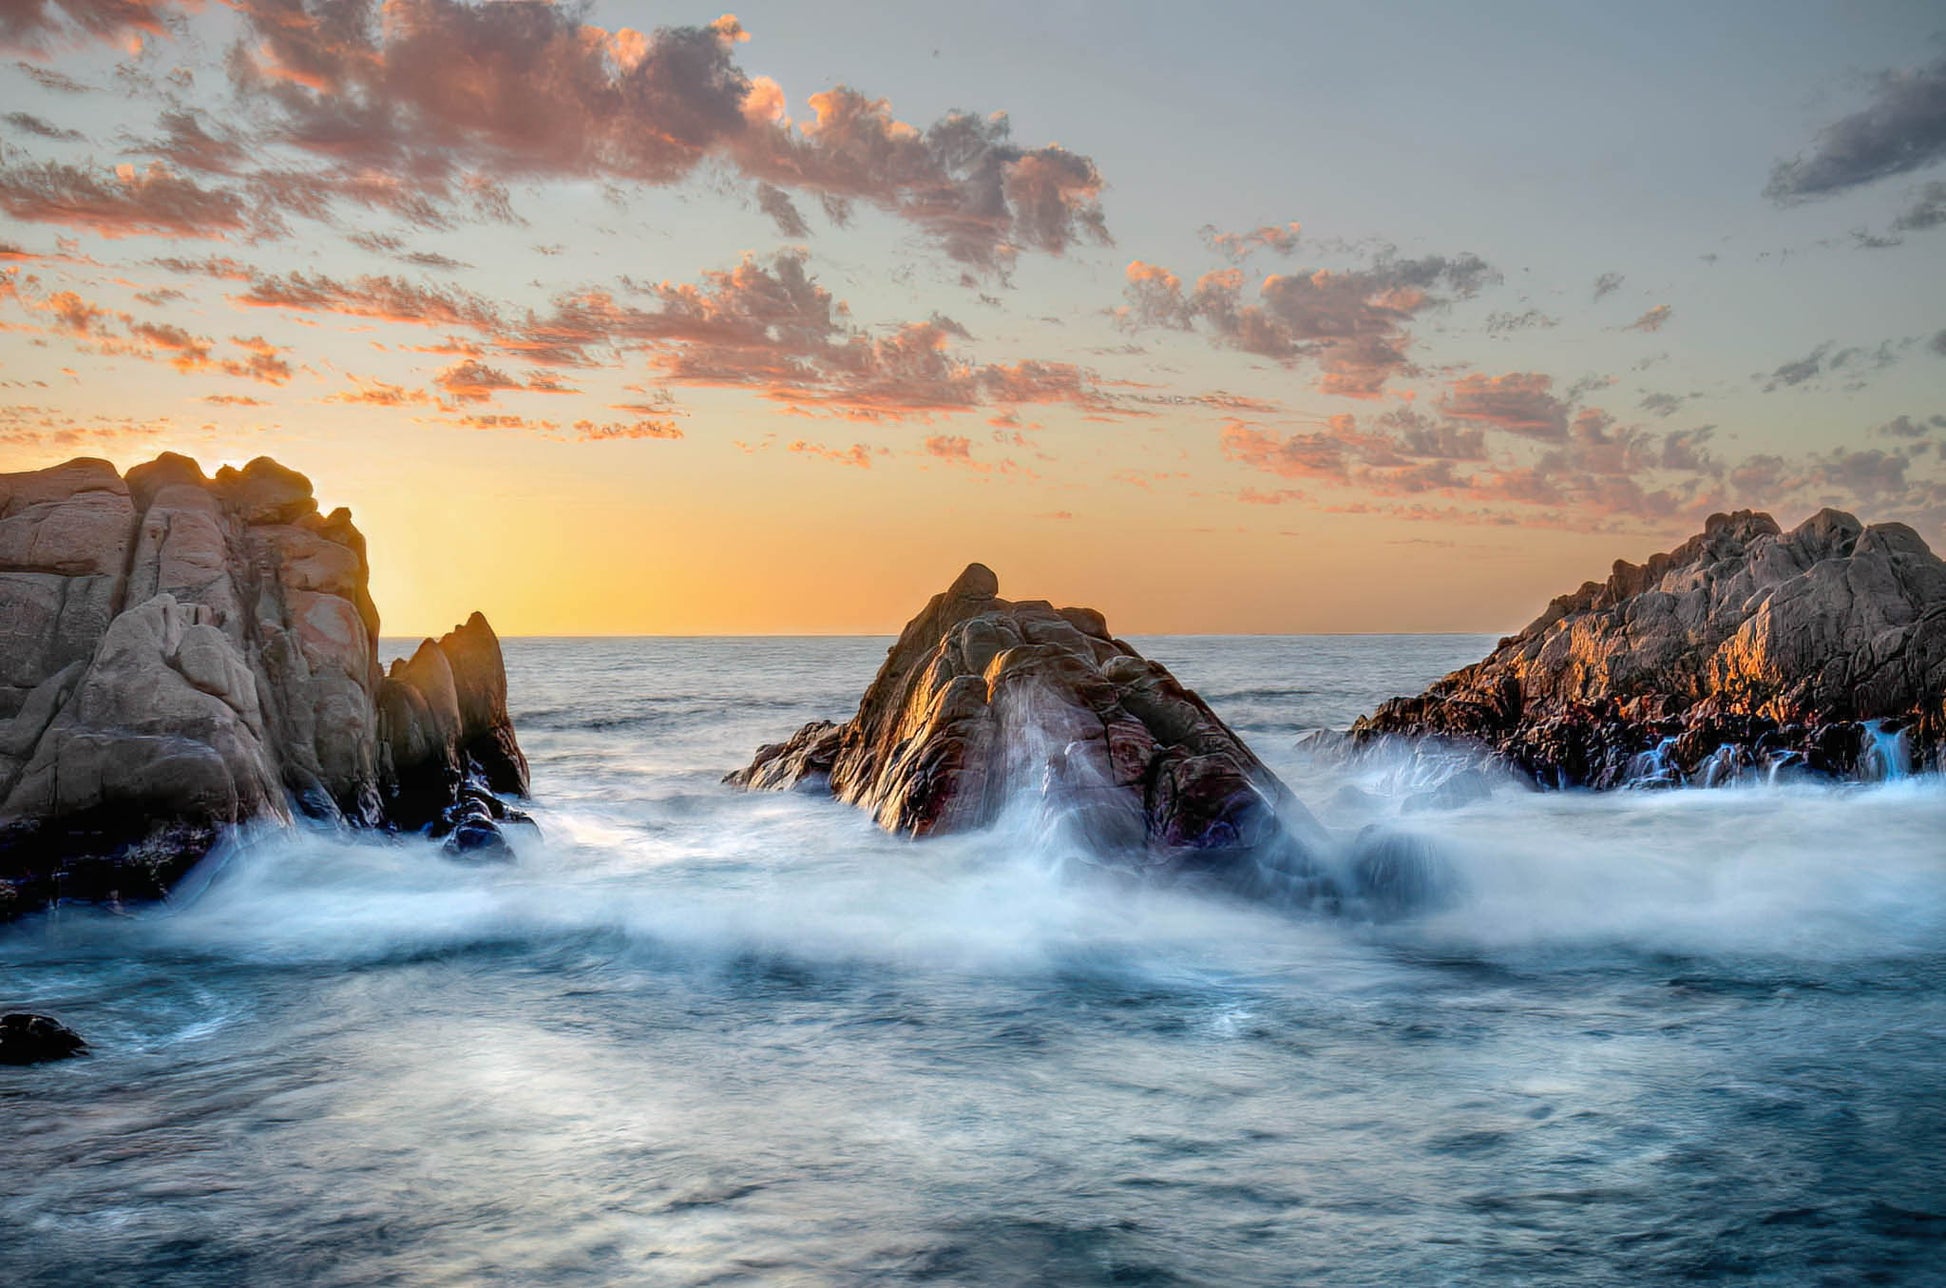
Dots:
pixel 486 734
pixel 1745 648
pixel 35 1039
pixel 982 700
pixel 179 654
pixel 448 742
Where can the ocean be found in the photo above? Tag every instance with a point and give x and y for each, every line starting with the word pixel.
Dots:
pixel 695 1036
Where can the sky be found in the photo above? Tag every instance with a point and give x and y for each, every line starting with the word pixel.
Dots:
pixel 623 318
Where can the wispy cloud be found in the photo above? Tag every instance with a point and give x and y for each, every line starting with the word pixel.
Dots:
pixel 1828 359
pixel 858 455
pixel 1928 210
pixel 39 26
pixel 126 202
pixel 1654 320
pixel 1503 325
pixel 1521 403
pixel 1902 128
pixel 767 326
pixel 1279 239
pixel 1351 324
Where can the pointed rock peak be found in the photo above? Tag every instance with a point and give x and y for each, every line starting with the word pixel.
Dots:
pixel 474 638
pixel 977 582
pixel 983 702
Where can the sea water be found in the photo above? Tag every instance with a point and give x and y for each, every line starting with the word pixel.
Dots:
pixel 695 1036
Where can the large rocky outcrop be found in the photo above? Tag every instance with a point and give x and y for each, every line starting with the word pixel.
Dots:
pixel 180 653
pixel 983 702
pixel 1745 650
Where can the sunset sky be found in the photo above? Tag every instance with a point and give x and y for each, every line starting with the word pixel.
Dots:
pixel 627 318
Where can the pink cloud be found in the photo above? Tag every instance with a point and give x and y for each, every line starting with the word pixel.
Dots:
pixel 1351 324
pixel 1518 403
pixel 156 201
pixel 1280 239
pixel 39 26
pixel 452 96
pixel 858 455
pixel 588 431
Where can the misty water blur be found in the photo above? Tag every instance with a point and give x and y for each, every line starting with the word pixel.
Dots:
pixel 697 1036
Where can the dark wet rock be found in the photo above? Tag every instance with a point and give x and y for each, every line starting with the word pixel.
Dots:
pixel 478 838
pixel 1744 650
pixel 983 701
pixel 446 735
pixel 180 654
pixel 26 1038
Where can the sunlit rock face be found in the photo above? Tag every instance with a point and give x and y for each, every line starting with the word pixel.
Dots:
pixel 1745 651
pixel 179 654
pixel 985 703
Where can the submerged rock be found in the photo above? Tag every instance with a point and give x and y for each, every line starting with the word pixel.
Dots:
pixel 983 701
pixel 1745 651
pixel 26 1038
pixel 180 654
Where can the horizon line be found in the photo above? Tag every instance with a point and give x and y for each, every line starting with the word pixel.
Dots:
pixel 868 635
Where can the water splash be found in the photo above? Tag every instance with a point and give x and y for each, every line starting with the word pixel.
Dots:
pixel 1655 767
pixel 1886 756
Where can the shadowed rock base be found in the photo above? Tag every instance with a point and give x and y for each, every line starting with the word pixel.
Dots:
pixel 983 704
pixel 1746 653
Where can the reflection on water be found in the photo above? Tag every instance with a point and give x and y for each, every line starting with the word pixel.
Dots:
pixel 702 1037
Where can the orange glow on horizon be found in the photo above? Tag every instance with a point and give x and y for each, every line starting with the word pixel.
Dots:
pixel 517 529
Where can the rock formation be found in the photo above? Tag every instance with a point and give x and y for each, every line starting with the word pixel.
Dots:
pixel 26 1038
pixel 1745 650
pixel 447 743
pixel 179 654
pixel 982 700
